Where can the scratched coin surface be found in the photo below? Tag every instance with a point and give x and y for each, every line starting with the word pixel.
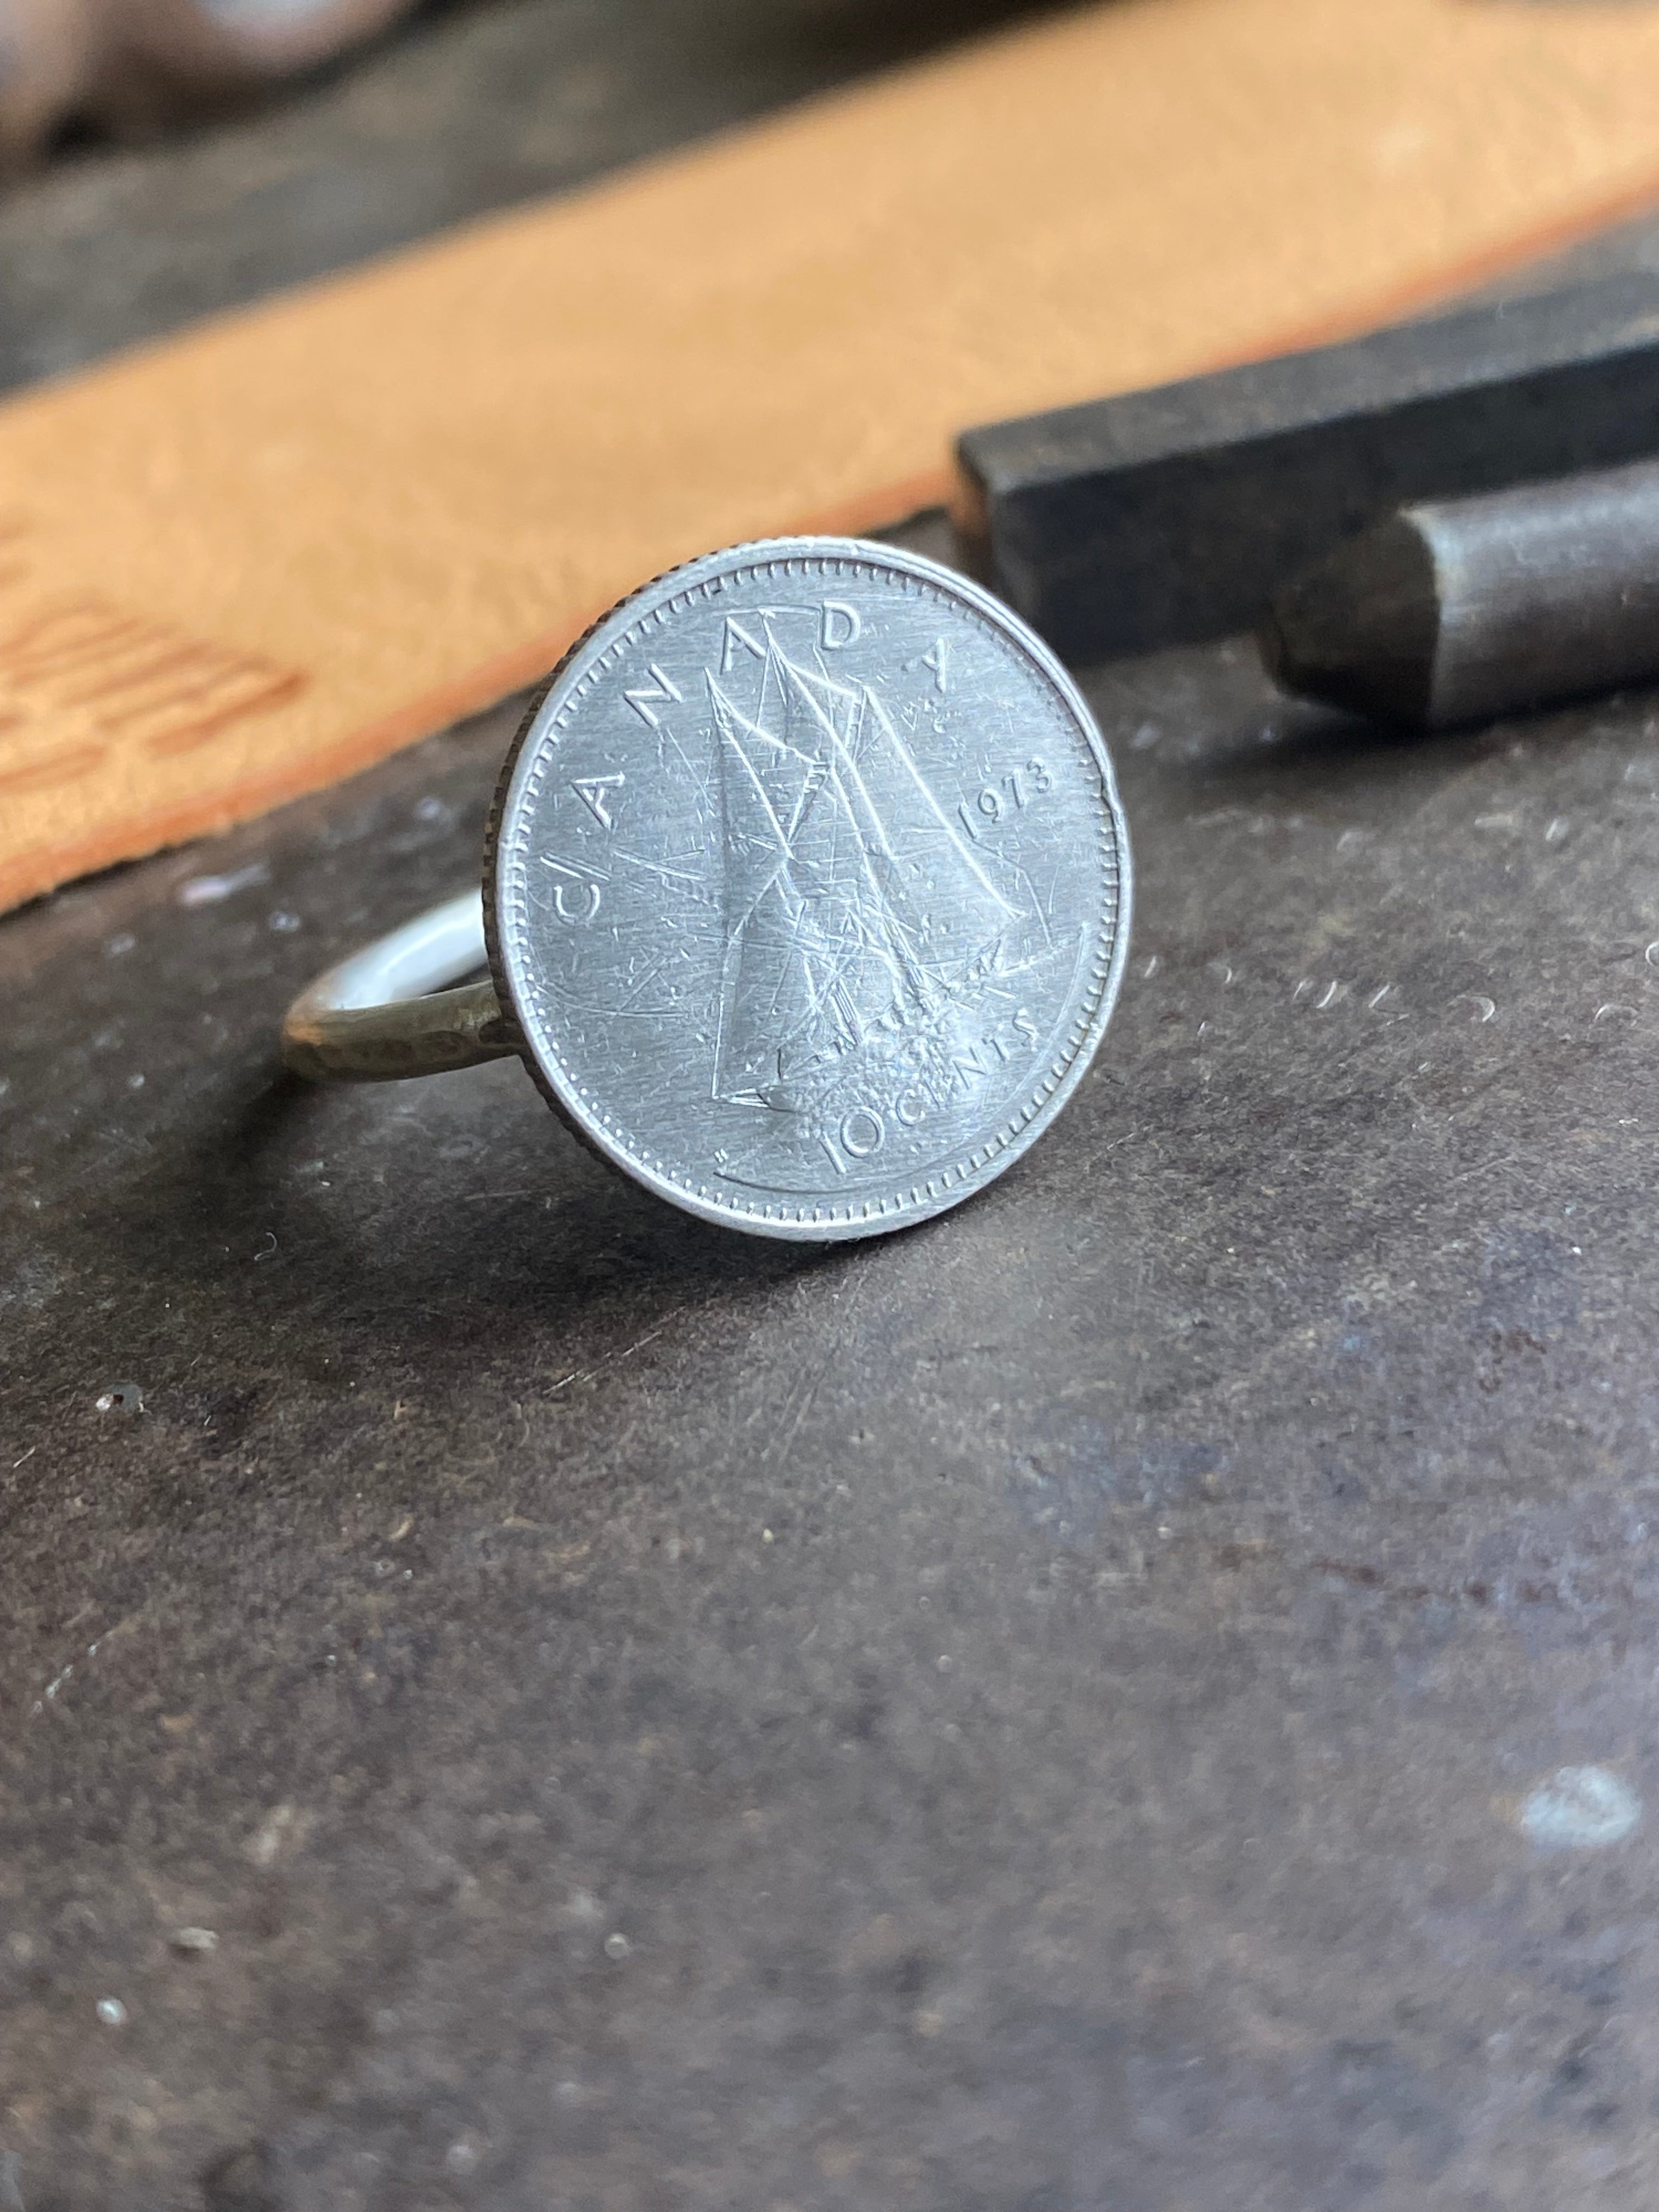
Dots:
pixel 810 887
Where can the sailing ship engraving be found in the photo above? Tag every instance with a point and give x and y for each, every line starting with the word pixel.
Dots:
pixel 859 929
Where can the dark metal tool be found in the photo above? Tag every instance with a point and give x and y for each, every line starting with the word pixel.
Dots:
pixel 1454 611
pixel 1162 517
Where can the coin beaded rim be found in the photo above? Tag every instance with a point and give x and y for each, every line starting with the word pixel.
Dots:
pixel 532 1003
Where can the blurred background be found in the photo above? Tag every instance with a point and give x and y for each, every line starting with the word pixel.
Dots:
pixel 160 159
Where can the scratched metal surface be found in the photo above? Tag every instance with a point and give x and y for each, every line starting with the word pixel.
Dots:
pixel 810 888
pixel 1138 1694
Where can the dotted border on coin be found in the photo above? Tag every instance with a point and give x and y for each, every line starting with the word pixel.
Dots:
pixel 506 873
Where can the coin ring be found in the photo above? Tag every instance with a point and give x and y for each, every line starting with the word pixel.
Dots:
pixel 748 925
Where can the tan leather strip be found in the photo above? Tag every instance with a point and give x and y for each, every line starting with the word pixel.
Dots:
pixel 238 565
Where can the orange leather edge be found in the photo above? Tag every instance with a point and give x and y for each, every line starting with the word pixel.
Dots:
pixel 1565 96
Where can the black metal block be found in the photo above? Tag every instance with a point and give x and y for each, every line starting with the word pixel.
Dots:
pixel 1166 516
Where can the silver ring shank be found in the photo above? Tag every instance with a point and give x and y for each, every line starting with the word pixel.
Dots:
pixel 383 1014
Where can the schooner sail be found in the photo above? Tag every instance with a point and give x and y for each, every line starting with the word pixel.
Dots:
pixel 854 911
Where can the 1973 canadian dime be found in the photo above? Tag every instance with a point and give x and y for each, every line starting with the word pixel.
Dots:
pixel 808 888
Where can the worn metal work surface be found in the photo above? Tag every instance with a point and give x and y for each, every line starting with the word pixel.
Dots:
pixel 1138 1694
pixel 1041 1710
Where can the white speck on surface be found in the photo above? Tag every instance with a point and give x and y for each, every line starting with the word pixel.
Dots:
pixel 462 2157
pixel 944 1662
pixel 112 2012
pixel 121 1398
pixel 281 1827
pixel 583 1907
pixel 190 1940
pixel 284 922
pixel 767 1537
pixel 1580 1808
pixel 208 890
pixel 123 941
pixel 616 1946
pixel 1147 734
pixel 1557 830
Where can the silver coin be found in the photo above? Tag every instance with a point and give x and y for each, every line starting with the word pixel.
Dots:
pixel 808 888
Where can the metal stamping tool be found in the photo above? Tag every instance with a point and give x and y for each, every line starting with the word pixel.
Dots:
pixel 1456 611
pixel 1161 517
